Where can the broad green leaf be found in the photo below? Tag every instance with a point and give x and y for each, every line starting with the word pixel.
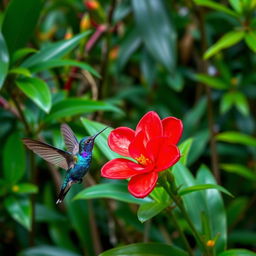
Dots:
pixel 195 188
pixel 229 39
pixel 148 68
pixel 62 63
pixel 19 22
pixel 21 71
pixel 241 103
pixel 227 102
pixel 217 7
pixel 214 209
pixel 37 90
pixel 237 252
pixel 163 46
pixel 20 210
pixel 4 187
pixel 193 202
pixel 242 237
pixel 237 137
pixel 235 210
pixel 45 214
pixel 54 51
pixel 236 5
pixel 14 162
pixel 145 249
pixel 110 190
pixel 75 106
pixel 213 82
pixel 149 210
pixel 23 188
pixel 21 53
pixel 79 217
pixel 128 46
pixel 185 149
pixel 4 60
pixel 240 170
pixel 43 250
pixel 102 140
pixel 250 39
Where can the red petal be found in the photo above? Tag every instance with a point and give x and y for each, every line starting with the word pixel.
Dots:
pixel 118 169
pixel 137 147
pixel 172 128
pixel 119 140
pixel 164 153
pixel 141 185
pixel 151 125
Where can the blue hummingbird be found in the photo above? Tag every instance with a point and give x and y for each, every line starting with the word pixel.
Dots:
pixel 76 160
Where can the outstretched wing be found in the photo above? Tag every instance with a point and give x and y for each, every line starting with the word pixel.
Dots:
pixel 51 154
pixel 70 139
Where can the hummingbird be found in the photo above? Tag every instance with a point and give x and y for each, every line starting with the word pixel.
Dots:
pixel 76 160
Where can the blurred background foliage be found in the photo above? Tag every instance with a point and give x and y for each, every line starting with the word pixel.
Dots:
pixel 110 62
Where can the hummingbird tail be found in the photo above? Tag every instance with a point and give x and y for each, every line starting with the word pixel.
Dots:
pixel 63 192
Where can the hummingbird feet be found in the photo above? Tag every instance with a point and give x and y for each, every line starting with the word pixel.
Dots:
pixel 80 181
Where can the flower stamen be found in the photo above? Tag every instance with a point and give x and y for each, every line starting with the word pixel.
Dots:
pixel 143 160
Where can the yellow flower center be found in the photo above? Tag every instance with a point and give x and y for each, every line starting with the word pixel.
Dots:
pixel 15 188
pixel 142 160
pixel 210 243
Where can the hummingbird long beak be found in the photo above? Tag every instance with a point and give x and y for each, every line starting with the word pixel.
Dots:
pixel 99 133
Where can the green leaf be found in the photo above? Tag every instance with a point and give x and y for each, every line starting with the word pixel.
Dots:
pixel 203 187
pixel 37 90
pixel 236 5
pixel 237 252
pixel 213 82
pixel 14 159
pixel 145 249
pixel 20 210
pixel 237 137
pixel 250 39
pixel 229 39
pixel 54 51
pixel 242 237
pixel 62 63
pixel 241 103
pixel 129 45
pixel 21 71
pixel 43 250
pixel 214 209
pixel 110 190
pixel 102 140
pixel 184 179
pixel 25 188
pixel 163 46
pixel 45 214
pixel 75 106
pixel 19 22
pixel 235 210
pixel 4 60
pixel 217 7
pixel 21 53
pixel 149 210
pixel 185 149
pixel 227 101
pixel 240 170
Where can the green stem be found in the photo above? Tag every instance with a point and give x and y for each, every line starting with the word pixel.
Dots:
pixel 182 235
pixel 172 191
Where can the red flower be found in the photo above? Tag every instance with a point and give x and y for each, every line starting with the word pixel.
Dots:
pixel 152 145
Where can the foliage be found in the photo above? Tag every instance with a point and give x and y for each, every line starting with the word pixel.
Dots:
pixel 93 64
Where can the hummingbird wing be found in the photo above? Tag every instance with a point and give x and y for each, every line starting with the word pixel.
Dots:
pixel 70 139
pixel 51 154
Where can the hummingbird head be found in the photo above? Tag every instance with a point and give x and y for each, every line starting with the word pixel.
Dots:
pixel 87 143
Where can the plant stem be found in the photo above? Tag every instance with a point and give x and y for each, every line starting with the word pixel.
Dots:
pixel 172 191
pixel 182 235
